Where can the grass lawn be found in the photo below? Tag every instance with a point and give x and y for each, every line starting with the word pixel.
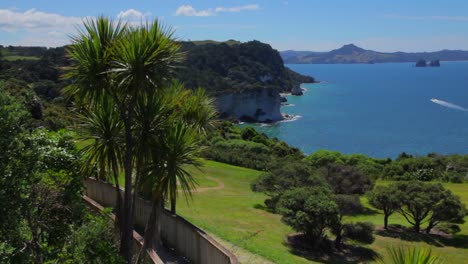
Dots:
pixel 18 57
pixel 231 214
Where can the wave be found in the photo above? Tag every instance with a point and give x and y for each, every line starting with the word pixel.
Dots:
pixel 288 105
pixel 448 104
pixel 291 118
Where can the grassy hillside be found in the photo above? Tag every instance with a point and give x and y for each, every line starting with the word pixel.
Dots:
pixel 236 214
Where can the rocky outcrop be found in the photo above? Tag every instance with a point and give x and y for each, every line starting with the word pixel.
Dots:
pixel 435 63
pixel 261 105
pixel 424 63
pixel 421 63
pixel 297 90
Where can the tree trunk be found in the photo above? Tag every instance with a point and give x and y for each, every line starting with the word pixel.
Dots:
pixel 417 226
pixel 173 205
pixel 127 232
pixel 386 221
pixel 152 233
pixel 429 227
pixel 338 239
pixel 118 202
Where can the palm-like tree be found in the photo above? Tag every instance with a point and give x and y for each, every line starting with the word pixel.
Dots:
pixel 175 146
pixel 128 64
pixel 402 255
pixel 103 129
pixel 181 148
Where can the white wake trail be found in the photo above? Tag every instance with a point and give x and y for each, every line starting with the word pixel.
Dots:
pixel 449 105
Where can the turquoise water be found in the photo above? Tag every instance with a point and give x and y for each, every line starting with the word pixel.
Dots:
pixel 379 110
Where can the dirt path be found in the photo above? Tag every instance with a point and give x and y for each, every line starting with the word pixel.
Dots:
pixel 219 187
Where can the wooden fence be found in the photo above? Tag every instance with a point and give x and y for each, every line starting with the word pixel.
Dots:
pixel 187 239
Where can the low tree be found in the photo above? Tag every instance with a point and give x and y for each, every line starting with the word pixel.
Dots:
pixel 283 176
pixel 423 202
pixel 417 201
pixel 387 199
pixel 309 210
pixel 345 179
pixel 450 209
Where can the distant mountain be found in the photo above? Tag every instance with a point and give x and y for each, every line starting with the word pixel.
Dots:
pixel 353 54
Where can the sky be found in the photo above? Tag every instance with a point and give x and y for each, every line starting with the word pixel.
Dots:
pixel 315 25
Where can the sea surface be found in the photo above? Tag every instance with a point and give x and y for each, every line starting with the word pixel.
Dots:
pixel 379 110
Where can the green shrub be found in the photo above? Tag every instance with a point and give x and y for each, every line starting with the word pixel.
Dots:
pixel 361 232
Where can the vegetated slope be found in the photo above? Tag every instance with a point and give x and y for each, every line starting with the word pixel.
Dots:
pixel 353 54
pixel 32 75
pixel 238 216
pixel 236 67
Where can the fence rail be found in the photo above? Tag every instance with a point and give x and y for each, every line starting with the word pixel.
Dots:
pixel 187 239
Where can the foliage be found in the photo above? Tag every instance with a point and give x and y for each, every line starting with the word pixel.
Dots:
pixel 41 189
pixel 247 148
pixel 283 176
pixel 361 232
pixel 221 68
pixel 413 256
pixel 145 124
pixel 348 205
pixel 345 179
pixel 309 210
pixel 34 81
pixel 422 202
pixel 93 241
pixel 387 199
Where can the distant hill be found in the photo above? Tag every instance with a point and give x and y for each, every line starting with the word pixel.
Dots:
pixel 353 54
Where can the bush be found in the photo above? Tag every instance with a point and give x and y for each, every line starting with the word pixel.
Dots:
pixel 449 228
pixel 94 242
pixel 361 232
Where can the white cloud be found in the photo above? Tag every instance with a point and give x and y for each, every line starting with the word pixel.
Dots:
pixel 188 10
pixel 447 18
pixel 132 15
pixel 237 8
pixel 34 20
pixel 36 28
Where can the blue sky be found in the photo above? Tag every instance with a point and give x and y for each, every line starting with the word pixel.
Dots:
pixel 319 25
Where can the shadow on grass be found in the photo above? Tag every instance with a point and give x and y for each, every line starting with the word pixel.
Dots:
pixel 326 252
pixel 263 207
pixel 369 211
pixel 437 240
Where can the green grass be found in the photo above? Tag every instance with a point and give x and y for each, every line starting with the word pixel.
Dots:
pixel 18 57
pixel 232 215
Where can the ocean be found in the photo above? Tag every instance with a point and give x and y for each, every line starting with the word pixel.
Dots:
pixel 379 110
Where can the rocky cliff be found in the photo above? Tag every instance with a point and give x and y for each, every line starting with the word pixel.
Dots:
pixel 246 78
pixel 262 105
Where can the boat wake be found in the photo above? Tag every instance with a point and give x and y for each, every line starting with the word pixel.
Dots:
pixel 449 105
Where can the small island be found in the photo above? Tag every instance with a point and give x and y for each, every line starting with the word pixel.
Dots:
pixel 424 63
